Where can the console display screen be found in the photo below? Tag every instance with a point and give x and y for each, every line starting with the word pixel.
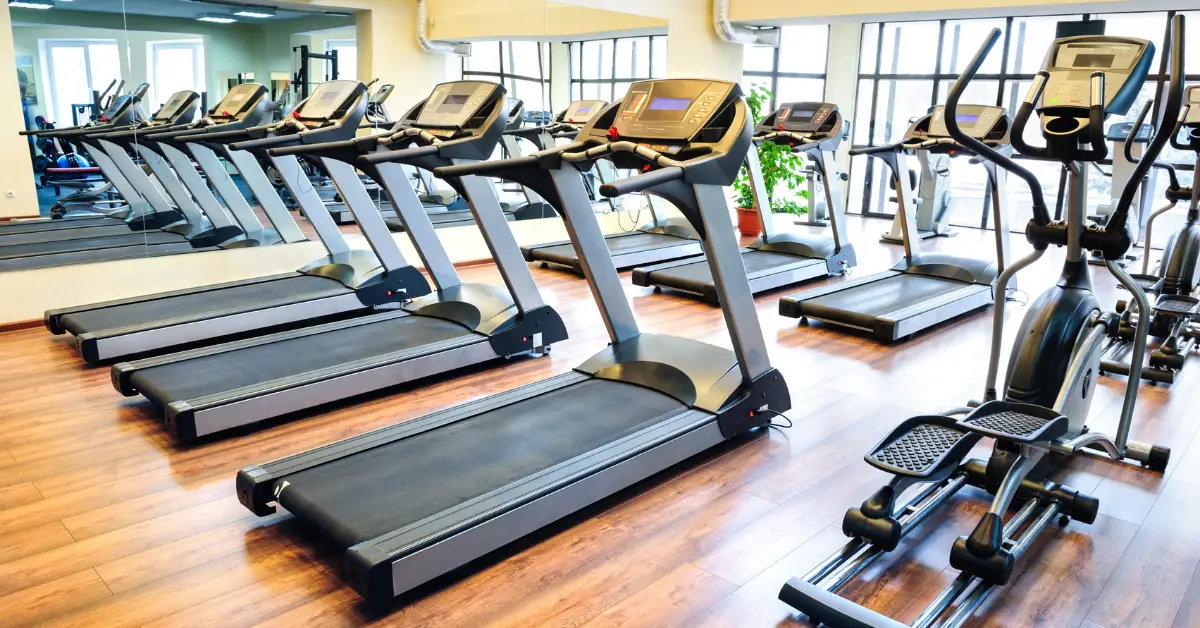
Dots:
pixel 1094 61
pixel 583 109
pixel 664 109
pixel 453 103
pixel 802 114
pixel 173 106
pixel 963 118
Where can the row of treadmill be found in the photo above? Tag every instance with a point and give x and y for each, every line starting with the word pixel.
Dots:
pixel 413 501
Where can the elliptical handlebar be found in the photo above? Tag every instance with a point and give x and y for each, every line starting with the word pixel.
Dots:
pixel 1187 108
pixel 1129 140
pixel 1116 220
pixel 1040 213
pixel 1024 112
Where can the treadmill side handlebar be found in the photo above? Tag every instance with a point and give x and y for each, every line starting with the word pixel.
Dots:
pixel 484 167
pixel 641 182
pixel 872 150
pixel 399 155
pixel 266 142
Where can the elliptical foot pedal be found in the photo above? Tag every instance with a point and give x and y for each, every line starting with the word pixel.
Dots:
pixel 1018 422
pixel 1178 305
pixel 922 447
pixel 1150 284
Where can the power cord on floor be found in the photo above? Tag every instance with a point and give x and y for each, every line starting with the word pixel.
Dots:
pixel 779 426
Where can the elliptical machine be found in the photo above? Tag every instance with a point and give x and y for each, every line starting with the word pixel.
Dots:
pixel 1040 421
pixel 1175 313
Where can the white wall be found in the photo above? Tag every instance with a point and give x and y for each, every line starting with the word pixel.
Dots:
pixel 18 197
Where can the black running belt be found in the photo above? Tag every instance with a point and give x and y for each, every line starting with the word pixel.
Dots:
pixel 63 223
pixel 52 235
pixel 90 244
pixel 632 243
pixel 360 497
pixel 695 275
pixel 230 370
pixel 862 304
pixel 195 303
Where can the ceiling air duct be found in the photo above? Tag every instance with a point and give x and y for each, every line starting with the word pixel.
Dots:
pixel 737 34
pixel 461 49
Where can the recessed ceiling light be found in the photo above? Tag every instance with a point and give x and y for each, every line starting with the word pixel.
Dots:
pixel 217 18
pixel 32 4
pixel 255 12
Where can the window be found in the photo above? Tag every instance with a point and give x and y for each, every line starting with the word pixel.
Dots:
pixel 347 54
pixel 794 71
pixel 522 66
pixel 75 69
pixel 603 69
pixel 174 66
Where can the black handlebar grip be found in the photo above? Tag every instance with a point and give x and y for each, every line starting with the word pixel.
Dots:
pixel 641 182
pixel 485 167
pixel 1133 133
pixel 871 150
pixel 398 155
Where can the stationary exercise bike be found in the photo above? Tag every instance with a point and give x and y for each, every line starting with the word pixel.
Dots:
pixel 1039 422
pixel 1175 313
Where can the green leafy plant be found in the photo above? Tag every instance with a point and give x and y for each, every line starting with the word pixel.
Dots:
pixel 780 167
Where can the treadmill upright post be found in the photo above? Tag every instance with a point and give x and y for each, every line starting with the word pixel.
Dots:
pixel 203 195
pixel 904 195
pixel 301 187
pixel 137 203
pixel 729 275
pixel 598 267
pixel 366 213
pixel 758 189
pixel 247 165
pixel 998 179
pixel 399 188
pixel 170 183
pixel 833 199
pixel 485 207
pixel 218 178
pixel 136 178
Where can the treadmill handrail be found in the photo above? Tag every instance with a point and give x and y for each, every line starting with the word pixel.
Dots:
pixel 267 142
pixel 484 167
pixel 399 155
pixel 641 182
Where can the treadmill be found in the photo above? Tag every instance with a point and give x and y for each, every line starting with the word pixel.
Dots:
pixel 778 259
pixel 415 500
pixel 343 282
pixel 244 106
pixel 206 391
pixel 138 215
pixel 661 240
pixel 187 235
pixel 923 289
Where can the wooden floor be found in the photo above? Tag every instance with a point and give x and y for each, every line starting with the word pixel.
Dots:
pixel 105 522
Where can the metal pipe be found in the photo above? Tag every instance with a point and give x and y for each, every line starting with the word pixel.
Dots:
pixel 734 34
pixel 462 49
pixel 943 601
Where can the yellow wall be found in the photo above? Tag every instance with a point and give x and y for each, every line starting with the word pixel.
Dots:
pixel 16 166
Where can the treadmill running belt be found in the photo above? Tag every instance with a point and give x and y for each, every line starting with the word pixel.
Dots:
pixel 141 312
pixel 861 305
pixel 230 370
pixel 89 244
pixel 363 496
pixel 695 275
pixel 632 243
pixel 62 223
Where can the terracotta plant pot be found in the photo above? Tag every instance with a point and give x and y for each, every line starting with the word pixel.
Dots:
pixel 748 222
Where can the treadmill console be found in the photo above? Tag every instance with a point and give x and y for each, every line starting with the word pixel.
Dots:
pixel 237 102
pixel 802 117
pixel 671 110
pixel 1125 62
pixel 981 122
pixel 580 111
pixel 1120 133
pixel 176 106
pixel 329 102
pixel 452 105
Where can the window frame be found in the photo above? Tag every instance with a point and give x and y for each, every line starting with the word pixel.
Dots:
pixel 1004 80
pixel 198 67
pixel 577 81
pixel 45 47
pixel 774 74
pixel 507 76
pixel 331 44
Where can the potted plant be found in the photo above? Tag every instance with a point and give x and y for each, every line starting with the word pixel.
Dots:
pixel 781 170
